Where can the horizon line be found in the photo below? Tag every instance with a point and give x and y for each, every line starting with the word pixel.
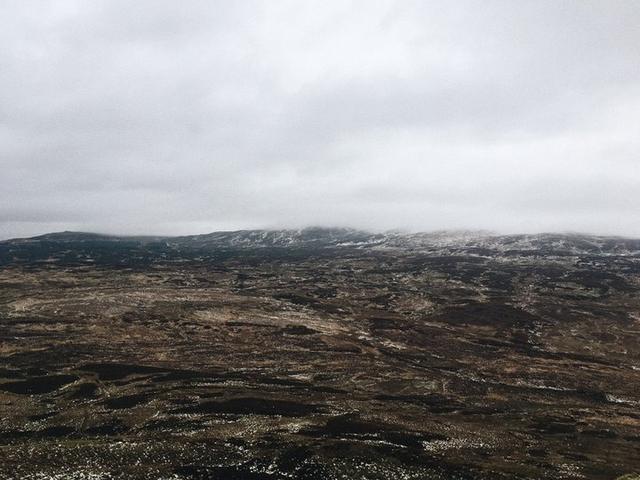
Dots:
pixel 398 231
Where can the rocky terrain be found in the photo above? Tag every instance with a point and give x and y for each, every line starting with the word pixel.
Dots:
pixel 319 354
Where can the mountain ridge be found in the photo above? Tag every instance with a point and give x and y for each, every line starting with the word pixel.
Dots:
pixel 87 248
pixel 72 235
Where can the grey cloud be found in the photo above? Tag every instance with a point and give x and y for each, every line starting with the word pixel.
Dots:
pixel 161 117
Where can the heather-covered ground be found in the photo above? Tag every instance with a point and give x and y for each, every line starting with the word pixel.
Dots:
pixel 319 354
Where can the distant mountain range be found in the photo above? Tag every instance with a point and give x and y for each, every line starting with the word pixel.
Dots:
pixel 79 247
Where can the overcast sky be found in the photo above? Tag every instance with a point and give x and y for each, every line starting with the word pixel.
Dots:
pixel 177 117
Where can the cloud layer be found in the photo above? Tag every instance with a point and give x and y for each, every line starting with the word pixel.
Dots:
pixel 171 117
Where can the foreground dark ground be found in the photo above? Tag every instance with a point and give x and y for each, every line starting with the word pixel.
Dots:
pixel 319 354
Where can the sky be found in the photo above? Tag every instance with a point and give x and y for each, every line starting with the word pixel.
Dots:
pixel 184 117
